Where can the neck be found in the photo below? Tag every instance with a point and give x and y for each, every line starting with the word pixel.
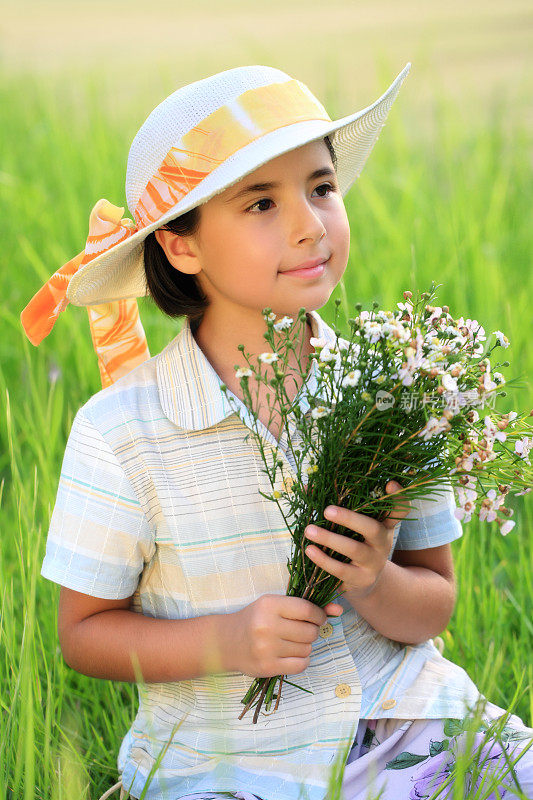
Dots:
pixel 219 342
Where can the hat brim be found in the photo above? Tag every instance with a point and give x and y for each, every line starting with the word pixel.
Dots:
pixel 118 273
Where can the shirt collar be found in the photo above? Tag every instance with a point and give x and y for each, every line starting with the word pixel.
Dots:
pixel 189 387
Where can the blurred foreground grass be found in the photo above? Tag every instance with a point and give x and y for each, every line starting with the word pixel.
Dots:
pixel 451 205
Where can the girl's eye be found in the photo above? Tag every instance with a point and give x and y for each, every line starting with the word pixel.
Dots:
pixel 327 186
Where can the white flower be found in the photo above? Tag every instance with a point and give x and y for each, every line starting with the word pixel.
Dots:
pixel 435 314
pixel 523 446
pixel 433 427
pixel 498 377
pixel 488 383
pixel 406 308
pixel 466 494
pixel 284 323
pixel 462 514
pixel 243 372
pixel 317 342
pixel 507 526
pixel 320 411
pixel 326 355
pixel 491 431
pixel 466 463
pixel 268 358
pixel 512 415
pixel 474 329
pixel 342 344
pixel 352 378
pixel 395 330
pixel 449 383
pixel 372 331
pixel 503 341
pixel 490 505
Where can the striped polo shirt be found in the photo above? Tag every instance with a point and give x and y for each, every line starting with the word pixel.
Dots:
pixel 159 497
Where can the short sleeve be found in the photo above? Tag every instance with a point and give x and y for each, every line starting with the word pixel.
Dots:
pixel 99 538
pixel 436 523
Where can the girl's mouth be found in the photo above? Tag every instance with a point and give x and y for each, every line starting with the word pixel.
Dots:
pixel 309 272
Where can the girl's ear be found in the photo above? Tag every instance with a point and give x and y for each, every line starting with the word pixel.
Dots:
pixel 177 250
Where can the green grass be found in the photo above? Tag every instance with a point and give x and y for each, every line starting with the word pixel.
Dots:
pixel 452 205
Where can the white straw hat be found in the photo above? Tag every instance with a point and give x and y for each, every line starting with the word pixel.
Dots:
pixel 200 140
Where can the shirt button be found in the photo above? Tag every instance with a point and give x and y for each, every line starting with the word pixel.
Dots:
pixel 388 704
pixel 325 630
pixel 343 690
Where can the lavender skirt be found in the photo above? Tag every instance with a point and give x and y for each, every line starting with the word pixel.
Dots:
pixel 416 760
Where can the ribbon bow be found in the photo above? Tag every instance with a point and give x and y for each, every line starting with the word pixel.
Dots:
pixel 116 329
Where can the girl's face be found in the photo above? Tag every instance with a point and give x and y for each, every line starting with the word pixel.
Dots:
pixel 249 239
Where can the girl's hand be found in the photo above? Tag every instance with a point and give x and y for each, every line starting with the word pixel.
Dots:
pixel 274 634
pixel 368 558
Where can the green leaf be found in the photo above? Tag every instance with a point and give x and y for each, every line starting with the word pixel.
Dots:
pixel 437 747
pixel 369 736
pixel 404 760
pixel 453 727
pixel 513 734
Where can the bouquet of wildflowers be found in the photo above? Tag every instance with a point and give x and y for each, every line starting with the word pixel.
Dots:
pixel 409 396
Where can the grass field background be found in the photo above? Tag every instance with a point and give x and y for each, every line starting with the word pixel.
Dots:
pixel 446 195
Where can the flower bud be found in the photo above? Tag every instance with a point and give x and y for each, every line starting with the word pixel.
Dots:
pixel 407 295
pixel 446 309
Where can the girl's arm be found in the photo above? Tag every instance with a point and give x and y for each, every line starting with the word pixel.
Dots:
pixel 97 638
pixel 414 597
pixel 273 635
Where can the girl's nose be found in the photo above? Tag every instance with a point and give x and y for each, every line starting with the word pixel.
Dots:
pixel 307 223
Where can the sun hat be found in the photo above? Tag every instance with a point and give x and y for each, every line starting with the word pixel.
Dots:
pixel 200 140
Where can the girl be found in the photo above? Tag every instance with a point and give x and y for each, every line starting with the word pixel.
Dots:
pixel 171 563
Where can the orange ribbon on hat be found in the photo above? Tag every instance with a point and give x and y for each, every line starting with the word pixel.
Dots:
pixel 116 329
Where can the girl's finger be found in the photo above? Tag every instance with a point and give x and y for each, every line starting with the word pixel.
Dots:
pixel 341 544
pixel 338 569
pixel 360 523
pixel 401 507
pixel 333 609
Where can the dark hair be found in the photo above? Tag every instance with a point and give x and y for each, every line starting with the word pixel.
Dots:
pixel 176 293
